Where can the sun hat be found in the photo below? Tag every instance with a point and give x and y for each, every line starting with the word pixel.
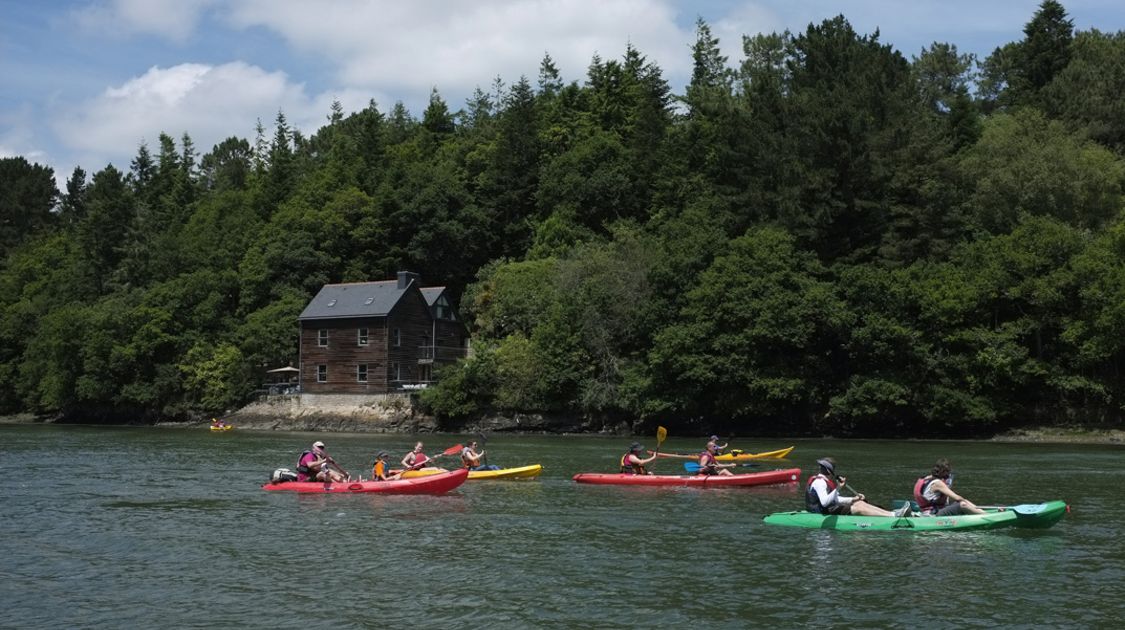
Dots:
pixel 635 447
pixel 828 464
pixel 318 444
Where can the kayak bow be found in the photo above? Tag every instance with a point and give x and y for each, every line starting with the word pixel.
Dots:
pixel 432 484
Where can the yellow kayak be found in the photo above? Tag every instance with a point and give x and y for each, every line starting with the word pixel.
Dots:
pixel 225 427
pixel 521 472
pixel 745 457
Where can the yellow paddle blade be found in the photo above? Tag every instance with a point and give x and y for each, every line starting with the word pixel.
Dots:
pixel 661 434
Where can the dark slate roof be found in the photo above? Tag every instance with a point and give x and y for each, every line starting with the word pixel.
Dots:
pixel 355 299
pixel 431 294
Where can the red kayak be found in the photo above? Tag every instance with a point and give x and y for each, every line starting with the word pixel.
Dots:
pixel 788 475
pixel 433 484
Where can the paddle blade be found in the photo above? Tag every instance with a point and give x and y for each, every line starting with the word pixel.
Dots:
pixel 692 467
pixel 453 450
pixel 661 434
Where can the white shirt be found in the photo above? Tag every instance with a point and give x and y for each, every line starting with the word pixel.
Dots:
pixel 826 498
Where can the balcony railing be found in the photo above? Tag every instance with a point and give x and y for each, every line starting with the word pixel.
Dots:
pixel 440 354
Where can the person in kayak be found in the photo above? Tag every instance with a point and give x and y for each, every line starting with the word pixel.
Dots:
pixel 935 496
pixel 708 465
pixel 380 471
pixel 631 462
pixel 471 459
pixel 715 440
pixel 415 459
pixel 316 465
pixel 822 495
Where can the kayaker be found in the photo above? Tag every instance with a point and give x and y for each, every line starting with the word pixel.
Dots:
pixel 471 459
pixel 935 497
pixel 379 472
pixel 822 495
pixel 316 465
pixel 708 465
pixel 715 440
pixel 415 459
pixel 631 462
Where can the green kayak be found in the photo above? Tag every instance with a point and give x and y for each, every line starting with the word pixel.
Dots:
pixel 1034 515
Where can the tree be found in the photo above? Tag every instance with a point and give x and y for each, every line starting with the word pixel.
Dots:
pixel 27 196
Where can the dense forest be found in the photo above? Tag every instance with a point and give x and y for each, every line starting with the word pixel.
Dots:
pixel 823 237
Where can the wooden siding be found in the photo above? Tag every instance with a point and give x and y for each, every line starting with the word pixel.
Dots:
pixel 411 316
pixel 343 355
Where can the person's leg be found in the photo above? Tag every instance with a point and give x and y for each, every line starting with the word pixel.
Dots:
pixel 726 472
pixel 863 508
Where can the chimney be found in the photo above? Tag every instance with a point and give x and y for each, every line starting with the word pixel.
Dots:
pixel 406 277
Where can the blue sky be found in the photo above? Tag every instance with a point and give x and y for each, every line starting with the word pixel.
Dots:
pixel 84 82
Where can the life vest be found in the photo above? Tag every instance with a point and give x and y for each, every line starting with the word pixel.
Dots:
pixel 379 471
pixel 419 458
pixel 709 465
pixel 924 504
pixel 812 501
pixel 630 468
pixel 466 460
pixel 302 467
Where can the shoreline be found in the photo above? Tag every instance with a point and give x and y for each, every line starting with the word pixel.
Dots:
pixel 331 423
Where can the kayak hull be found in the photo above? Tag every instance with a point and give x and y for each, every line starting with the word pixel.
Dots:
pixel 788 475
pixel 431 484
pixel 746 457
pixel 226 427
pixel 520 472
pixel 1034 516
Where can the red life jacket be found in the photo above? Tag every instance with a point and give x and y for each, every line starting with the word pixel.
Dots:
pixel 709 465
pixel 924 504
pixel 629 468
pixel 812 500
pixel 419 458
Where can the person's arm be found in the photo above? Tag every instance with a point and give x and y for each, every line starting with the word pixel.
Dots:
pixel 827 498
pixel 642 462
pixel 940 487
pixel 408 460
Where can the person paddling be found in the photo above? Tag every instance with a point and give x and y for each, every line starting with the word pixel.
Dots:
pixel 935 497
pixel 415 459
pixel 715 440
pixel 708 465
pixel 633 464
pixel 471 459
pixel 316 465
pixel 822 495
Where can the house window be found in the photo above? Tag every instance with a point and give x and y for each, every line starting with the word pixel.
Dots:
pixel 398 338
pixel 361 337
pixel 361 373
pixel 322 338
pixel 442 309
pixel 322 374
pixel 396 372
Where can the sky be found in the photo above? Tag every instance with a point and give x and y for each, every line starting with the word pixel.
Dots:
pixel 85 82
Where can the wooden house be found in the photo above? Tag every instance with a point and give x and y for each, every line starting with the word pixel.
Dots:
pixel 377 337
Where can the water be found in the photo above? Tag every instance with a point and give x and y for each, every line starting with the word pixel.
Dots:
pixel 128 527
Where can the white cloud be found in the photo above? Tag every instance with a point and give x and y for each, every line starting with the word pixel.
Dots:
pixel 173 19
pixel 210 103
pixel 408 47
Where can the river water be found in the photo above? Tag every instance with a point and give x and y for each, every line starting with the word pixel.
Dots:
pixel 148 527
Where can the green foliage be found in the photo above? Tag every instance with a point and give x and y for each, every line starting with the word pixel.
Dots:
pixel 819 237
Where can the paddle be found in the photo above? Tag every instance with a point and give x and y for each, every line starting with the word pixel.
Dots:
pixel 661 435
pixel 483 440
pixel 695 467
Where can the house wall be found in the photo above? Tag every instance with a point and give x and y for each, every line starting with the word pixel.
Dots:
pixel 343 354
pixel 411 316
